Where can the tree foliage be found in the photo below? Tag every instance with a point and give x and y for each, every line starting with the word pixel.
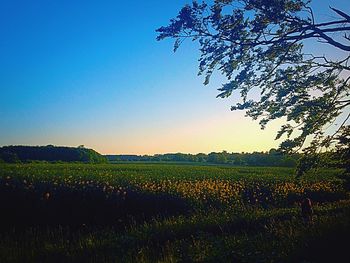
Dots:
pixel 259 45
pixel 271 158
pixel 50 153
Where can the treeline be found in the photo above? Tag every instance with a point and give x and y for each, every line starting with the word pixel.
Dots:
pixel 271 158
pixel 49 153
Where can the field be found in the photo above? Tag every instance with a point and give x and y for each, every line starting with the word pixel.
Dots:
pixel 170 213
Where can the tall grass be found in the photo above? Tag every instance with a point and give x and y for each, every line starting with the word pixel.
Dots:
pixel 169 213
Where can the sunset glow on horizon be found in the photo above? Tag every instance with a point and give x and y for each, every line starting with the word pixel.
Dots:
pixel 91 73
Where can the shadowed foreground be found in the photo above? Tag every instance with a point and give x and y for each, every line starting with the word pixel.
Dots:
pixel 169 213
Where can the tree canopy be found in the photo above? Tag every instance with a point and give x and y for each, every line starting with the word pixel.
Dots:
pixel 271 158
pixel 259 45
pixel 50 153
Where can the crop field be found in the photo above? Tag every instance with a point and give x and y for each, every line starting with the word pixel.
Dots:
pixel 170 213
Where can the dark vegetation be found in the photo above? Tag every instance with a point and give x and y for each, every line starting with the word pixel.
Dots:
pixel 258 47
pixel 32 204
pixel 169 213
pixel 49 153
pixel 271 158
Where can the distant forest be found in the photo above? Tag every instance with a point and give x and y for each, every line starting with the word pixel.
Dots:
pixel 270 158
pixel 50 153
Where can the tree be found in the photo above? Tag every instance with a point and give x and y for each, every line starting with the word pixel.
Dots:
pixel 219 158
pixel 259 45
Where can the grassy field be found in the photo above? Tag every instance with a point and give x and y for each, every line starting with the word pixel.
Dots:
pixel 169 213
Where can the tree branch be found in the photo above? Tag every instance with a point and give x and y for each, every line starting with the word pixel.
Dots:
pixel 347 17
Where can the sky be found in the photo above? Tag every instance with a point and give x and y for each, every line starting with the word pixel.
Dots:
pixel 91 73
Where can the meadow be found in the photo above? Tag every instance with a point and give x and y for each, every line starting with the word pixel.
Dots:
pixel 170 213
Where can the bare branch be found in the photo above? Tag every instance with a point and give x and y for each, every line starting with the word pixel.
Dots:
pixel 347 17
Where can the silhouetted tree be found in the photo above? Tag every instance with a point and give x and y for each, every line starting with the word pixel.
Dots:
pixel 258 44
pixel 50 153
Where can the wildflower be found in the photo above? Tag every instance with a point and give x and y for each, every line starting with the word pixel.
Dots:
pixel 46 195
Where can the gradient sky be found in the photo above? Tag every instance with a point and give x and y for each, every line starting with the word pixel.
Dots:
pixel 92 73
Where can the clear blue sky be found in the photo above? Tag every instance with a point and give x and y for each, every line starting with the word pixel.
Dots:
pixel 92 73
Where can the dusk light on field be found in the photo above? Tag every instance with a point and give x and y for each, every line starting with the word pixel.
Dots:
pixel 179 131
